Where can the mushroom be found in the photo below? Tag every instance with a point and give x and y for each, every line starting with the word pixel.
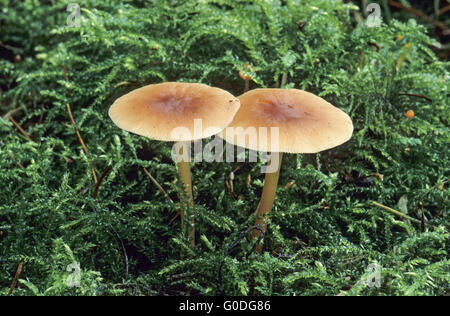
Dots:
pixel 176 112
pixel 295 121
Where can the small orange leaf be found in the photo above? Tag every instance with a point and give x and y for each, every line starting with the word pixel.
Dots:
pixel 290 184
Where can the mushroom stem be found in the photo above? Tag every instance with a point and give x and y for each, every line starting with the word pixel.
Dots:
pixel 247 85
pixel 267 199
pixel 184 170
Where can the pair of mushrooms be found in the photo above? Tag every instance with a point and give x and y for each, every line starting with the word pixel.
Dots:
pixel 305 123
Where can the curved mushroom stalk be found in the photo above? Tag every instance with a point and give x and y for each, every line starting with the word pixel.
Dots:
pixel 184 171
pixel 266 202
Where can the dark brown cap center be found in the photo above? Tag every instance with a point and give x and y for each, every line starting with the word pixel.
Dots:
pixel 279 111
pixel 175 105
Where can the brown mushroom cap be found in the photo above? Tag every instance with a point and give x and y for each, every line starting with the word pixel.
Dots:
pixel 306 122
pixel 156 110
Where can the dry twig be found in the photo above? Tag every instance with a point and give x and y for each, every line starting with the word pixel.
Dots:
pixel 97 186
pixel 417 96
pixel 160 188
pixel 16 277
pixel 395 212
pixel 419 14
pixel 21 130
pixel 94 175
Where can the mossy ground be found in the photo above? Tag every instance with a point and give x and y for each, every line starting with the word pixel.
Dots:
pixel 324 230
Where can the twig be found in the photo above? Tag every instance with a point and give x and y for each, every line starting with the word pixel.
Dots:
pixel 124 251
pixel 94 174
pixel 175 217
pixel 418 13
pixel 66 74
pixel 417 95
pixel 19 128
pixel 10 113
pixel 443 10
pixel 16 277
pixel 392 211
pixel 163 192
pixel 9 47
pixel 97 186
pixel 158 185
pixel 82 143
pixel 422 221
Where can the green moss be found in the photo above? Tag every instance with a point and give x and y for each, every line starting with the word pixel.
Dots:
pixel 324 229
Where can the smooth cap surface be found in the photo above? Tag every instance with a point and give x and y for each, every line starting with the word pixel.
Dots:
pixel 306 123
pixel 168 111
